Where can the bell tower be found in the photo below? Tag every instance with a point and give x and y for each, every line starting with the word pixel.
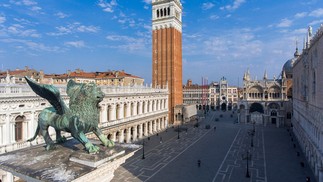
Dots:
pixel 167 50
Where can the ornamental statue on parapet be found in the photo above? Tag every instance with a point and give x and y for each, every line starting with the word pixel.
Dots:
pixel 81 117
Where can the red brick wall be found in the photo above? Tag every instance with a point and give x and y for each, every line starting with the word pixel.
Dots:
pixel 167 64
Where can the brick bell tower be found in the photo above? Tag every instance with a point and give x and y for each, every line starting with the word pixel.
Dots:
pixel 167 50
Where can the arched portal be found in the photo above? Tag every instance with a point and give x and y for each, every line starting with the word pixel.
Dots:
pixel 256 107
pixel 223 106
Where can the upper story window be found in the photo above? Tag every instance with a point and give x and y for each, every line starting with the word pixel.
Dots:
pixel 18 128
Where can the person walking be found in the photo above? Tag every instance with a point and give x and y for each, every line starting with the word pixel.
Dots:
pixel 214 128
pixel 160 140
pixel 199 163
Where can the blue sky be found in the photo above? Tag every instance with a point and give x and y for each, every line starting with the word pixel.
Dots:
pixel 220 37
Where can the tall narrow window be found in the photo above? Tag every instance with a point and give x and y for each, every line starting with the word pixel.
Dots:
pixel 18 128
pixel 157 13
pixel 168 11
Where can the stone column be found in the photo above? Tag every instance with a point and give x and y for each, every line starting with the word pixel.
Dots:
pixel 128 135
pixel 104 114
pixel 150 106
pixel 145 129
pixel 134 132
pixel 150 127
pixel 6 130
pixel 146 106
pixel 113 136
pixel 134 109
pixel 158 105
pixel 140 108
pixel 121 136
pixel 155 126
pixel 154 105
pixel 128 110
pixel 120 111
pixel 112 112
pixel 140 130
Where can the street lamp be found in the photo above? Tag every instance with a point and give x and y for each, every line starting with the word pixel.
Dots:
pixel 247 157
pixel 177 131
pixel 143 148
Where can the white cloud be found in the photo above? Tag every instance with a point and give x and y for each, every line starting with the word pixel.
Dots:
pixel 91 28
pixel 74 28
pixel 301 31
pixel 147 1
pixel 77 44
pixel 236 4
pixel 19 30
pixel 301 15
pixel 107 7
pixel 208 5
pixel 23 2
pixel 315 22
pixel 317 12
pixel 2 19
pixel 214 17
pixel 32 45
pixel 61 15
pixel 120 38
pixel 127 43
pixel 36 8
pixel 285 23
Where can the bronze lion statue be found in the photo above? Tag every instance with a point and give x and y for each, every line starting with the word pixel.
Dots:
pixel 81 117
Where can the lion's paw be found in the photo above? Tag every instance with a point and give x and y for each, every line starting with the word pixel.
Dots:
pixel 61 139
pixel 92 149
pixel 50 146
pixel 110 143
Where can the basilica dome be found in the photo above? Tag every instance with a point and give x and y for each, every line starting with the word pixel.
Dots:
pixel 288 67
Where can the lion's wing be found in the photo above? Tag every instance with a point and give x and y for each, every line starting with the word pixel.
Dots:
pixel 50 93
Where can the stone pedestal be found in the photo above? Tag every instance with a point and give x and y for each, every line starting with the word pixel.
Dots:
pixel 68 162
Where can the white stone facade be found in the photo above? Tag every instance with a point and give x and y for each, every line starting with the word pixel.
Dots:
pixel 308 101
pixel 127 114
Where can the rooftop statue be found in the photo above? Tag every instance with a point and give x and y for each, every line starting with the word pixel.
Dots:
pixel 81 117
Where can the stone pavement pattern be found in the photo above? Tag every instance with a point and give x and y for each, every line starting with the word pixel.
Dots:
pixel 222 153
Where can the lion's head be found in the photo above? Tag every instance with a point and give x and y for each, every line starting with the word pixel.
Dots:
pixel 84 95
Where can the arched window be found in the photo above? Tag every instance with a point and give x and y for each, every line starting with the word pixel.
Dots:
pixel 165 12
pixel 158 13
pixel 161 13
pixel 273 113
pixel 18 128
pixel 168 11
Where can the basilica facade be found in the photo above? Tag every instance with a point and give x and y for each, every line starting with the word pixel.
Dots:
pixel 268 101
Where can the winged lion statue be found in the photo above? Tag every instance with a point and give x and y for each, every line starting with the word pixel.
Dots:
pixel 81 117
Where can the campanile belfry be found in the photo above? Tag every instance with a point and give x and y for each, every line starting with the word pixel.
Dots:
pixel 167 50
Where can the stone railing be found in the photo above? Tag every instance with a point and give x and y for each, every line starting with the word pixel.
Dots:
pixel 15 90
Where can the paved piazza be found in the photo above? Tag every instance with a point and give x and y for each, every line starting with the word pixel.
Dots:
pixel 222 152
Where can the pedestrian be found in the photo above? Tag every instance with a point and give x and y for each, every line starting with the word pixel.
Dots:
pixel 308 179
pixel 199 163
pixel 214 128
pixel 160 140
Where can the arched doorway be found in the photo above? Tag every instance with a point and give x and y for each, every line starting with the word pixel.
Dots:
pixel 273 115
pixel 256 111
pixel 256 107
pixel 223 106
